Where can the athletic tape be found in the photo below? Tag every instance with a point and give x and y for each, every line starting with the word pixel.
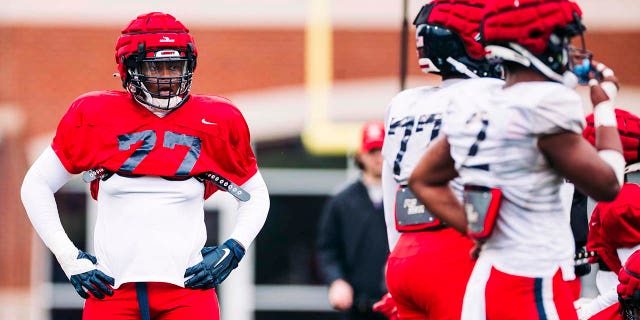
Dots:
pixel 607 72
pixel 604 115
pixel 610 89
pixel 616 161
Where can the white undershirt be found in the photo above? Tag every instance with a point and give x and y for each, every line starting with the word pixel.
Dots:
pixel 147 229
pixel 375 194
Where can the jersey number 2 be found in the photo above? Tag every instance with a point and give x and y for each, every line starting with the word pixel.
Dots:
pixel 148 138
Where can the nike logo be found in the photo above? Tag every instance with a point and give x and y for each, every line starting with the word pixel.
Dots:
pixel 224 256
pixel 207 122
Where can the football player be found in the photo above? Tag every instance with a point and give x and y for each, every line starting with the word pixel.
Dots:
pixel 511 147
pixel 614 228
pixel 428 255
pixel 153 154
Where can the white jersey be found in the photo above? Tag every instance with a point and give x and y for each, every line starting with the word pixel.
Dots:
pixel 413 119
pixel 149 229
pixel 493 137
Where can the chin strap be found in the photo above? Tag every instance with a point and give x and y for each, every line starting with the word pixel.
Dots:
pixel 154 104
pixel 462 68
pixel 170 103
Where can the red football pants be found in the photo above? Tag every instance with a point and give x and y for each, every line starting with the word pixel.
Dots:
pixel 427 274
pixel 522 298
pixel 609 313
pixel 576 287
pixel 162 301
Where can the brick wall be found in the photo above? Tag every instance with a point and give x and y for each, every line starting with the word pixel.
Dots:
pixel 45 68
pixel 15 229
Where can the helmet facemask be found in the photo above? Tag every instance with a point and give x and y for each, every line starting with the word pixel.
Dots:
pixel 160 78
pixel 561 56
pixel 580 59
pixel 630 306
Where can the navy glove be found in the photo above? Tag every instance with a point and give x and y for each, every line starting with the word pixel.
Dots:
pixel 217 263
pixel 93 280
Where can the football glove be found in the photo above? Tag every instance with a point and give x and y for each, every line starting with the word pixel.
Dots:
pixel 387 306
pixel 217 263
pixel 93 280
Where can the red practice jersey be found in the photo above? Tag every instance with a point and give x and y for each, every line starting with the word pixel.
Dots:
pixel 108 129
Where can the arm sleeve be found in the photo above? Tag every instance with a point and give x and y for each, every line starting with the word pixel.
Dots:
pixel 330 252
pixel 252 214
pixel 46 176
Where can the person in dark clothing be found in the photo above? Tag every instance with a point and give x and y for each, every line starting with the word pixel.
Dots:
pixel 352 238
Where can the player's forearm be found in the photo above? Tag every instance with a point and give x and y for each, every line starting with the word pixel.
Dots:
pixel 442 203
pixel 252 214
pixel 609 148
pixel 608 143
pixel 42 180
pixel 430 180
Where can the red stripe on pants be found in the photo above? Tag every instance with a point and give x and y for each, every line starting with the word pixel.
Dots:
pixel 514 297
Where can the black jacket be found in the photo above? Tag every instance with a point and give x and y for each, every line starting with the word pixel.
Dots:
pixel 352 242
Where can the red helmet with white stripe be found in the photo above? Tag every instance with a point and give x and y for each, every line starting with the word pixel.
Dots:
pixel 156 58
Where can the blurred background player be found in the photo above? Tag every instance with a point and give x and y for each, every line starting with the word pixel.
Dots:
pixel 428 256
pixel 145 151
pixel 511 148
pixel 352 242
pixel 614 229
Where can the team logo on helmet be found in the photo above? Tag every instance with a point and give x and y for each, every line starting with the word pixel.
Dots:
pixel 167 39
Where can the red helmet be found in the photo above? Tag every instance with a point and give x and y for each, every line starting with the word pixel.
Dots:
pixel 534 33
pixel 446 32
pixel 155 38
pixel 629 130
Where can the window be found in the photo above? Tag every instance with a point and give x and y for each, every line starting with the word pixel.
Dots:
pixel 285 248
